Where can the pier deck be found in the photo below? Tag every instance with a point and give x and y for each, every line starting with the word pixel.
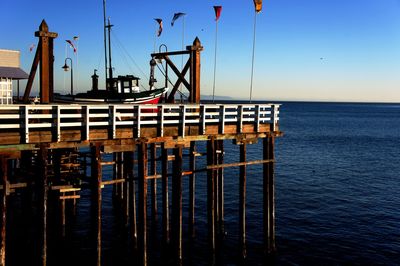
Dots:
pixel 46 134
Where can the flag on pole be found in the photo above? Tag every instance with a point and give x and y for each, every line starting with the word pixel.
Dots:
pixel 176 16
pixel 160 26
pixel 31 47
pixel 258 5
pixel 71 44
pixel 217 10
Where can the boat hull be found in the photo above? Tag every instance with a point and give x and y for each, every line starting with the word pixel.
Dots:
pixel 148 97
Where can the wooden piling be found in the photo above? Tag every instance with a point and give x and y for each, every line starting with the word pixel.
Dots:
pixel 142 182
pixel 132 194
pixel 44 189
pixel 4 173
pixel 177 205
pixel 165 197
pixel 242 203
pixel 269 195
pixel 97 174
pixel 153 185
pixel 192 188
pixel 220 186
pixel 211 197
pixel 127 169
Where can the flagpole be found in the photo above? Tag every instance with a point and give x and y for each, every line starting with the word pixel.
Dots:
pixel 252 59
pixel 215 57
pixel 183 44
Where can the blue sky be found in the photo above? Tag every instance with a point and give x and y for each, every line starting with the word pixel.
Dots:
pixel 332 50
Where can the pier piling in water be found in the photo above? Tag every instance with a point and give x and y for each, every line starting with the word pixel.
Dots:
pixel 145 146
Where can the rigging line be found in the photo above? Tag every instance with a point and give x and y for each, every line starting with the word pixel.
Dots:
pixel 130 57
pixel 252 58
pixel 163 73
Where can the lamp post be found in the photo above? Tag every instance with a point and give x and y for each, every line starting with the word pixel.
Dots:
pixel 66 68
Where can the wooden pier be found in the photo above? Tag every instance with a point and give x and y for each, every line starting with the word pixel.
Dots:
pixel 143 139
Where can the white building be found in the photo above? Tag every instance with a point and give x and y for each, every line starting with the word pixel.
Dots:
pixel 9 70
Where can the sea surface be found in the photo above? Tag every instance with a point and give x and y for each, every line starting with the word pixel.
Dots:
pixel 337 199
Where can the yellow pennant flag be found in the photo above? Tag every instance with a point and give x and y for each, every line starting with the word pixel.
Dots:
pixel 258 5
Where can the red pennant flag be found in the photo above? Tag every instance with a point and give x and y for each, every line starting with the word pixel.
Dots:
pixel 217 10
pixel 71 44
pixel 160 28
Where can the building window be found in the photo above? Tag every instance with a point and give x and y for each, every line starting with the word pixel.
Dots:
pixel 6 95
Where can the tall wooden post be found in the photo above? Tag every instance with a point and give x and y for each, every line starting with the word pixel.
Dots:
pixel 153 185
pixel 165 197
pixel 97 174
pixel 195 50
pixel 44 55
pixel 192 187
pixel 177 205
pixel 4 173
pixel 211 197
pixel 142 180
pixel 242 203
pixel 132 194
pixel 269 195
pixel 128 168
pixel 220 186
pixel 44 189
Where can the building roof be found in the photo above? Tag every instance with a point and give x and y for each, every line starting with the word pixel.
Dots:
pixel 13 73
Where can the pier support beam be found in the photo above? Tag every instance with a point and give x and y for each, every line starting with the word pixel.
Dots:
pixel 153 185
pixel 97 175
pixel 242 203
pixel 177 205
pixel 211 177
pixel 192 187
pixel 44 190
pixel 269 195
pixel 220 187
pixel 4 177
pixel 142 181
pixel 165 196
pixel 132 194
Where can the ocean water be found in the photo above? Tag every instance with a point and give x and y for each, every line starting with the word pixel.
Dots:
pixel 337 199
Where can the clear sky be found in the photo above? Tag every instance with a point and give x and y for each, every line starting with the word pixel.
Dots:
pixel 332 50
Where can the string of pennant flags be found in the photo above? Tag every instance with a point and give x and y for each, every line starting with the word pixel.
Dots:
pixel 217 9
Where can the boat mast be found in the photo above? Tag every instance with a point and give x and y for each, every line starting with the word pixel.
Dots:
pixel 105 40
pixel 110 70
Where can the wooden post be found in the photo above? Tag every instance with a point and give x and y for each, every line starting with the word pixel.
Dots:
pixel 46 62
pixel 192 187
pixel 62 210
pixel 153 185
pixel 269 195
pixel 165 197
pixel 177 205
pixel 211 197
pixel 195 50
pixel 4 173
pixel 127 169
pixel 220 160
pixel 96 166
pixel 242 203
pixel 43 200
pixel 142 180
pixel 132 194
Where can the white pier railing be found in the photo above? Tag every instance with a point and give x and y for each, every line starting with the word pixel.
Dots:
pixel 28 118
